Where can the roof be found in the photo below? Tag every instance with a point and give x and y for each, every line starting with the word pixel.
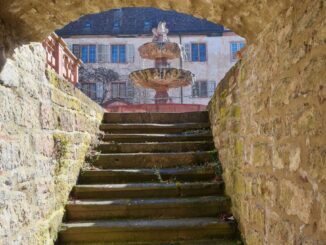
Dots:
pixel 138 21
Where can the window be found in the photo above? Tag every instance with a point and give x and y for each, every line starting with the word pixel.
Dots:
pixel 203 89
pixel 90 90
pixel 198 52
pixel 87 25
pixel 119 90
pixel 88 53
pixel 235 47
pixel 118 53
pixel 147 26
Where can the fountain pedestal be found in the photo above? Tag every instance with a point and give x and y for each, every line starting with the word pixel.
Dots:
pixel 161 96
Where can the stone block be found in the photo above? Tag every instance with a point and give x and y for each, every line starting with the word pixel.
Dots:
pixel 296 200
pixel 261 154
pixel 9 75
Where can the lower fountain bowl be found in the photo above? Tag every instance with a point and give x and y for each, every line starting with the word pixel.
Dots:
pixel 161 79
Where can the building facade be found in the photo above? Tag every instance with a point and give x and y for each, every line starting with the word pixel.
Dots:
pixel 110 41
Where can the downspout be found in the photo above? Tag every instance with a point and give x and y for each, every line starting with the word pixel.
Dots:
pixel 180 60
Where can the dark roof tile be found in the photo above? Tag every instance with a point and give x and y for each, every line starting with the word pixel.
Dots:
pixel 135 21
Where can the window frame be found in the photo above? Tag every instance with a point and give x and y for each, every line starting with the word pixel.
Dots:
pixel 118 83
pixel 198 50
pixel 88 53
pixel 88 91
pixel 199 82
pixel 119 60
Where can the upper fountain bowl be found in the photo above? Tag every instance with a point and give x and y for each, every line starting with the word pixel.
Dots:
pixel 160 50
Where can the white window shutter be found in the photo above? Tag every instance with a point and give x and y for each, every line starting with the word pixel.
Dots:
pixel 99 91
pixel 195 89
pixel 130 53
pixel 103 53
pixel 211 88
pixel 187 51
pixel 130 91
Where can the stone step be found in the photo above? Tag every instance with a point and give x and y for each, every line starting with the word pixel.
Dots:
pixel 201 173
pixel 235 241
pixel 209 206
pixel 146 230
pixel 152 160
pixel 148 190
pixel 170 118
pixel 156 147
pixel 151 128
pixel 141 138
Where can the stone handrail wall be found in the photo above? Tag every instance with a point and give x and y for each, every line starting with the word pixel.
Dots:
pixel 46 128
pixel 268 118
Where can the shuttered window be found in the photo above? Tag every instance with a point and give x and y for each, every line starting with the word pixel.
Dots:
pixel 203 89
pixel 119 90
pixel 90 90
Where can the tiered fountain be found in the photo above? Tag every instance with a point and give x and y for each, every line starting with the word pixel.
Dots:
pixel 161 78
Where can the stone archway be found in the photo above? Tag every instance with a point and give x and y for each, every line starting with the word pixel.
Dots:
pixel 268 114
pixel 32 20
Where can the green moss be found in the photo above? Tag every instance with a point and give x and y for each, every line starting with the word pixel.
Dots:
pixel 224 94
pixel 238 183
pixel 236 111
pixel 242 74
pixel 223 112
pixel 61 144
pixel 238 148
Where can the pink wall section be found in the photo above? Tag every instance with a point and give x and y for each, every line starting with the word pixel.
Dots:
pixel 177 108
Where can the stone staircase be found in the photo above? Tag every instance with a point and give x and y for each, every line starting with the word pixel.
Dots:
pixel 154 182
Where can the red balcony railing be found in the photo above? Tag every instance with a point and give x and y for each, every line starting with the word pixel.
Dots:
pixel 61 59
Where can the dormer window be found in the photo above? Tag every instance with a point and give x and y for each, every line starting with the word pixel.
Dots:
pixel 147 26
pixel 87 25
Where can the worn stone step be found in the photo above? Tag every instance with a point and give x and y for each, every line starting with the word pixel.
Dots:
pixel 147 230
pixel 121 128
pixel 148 160
pixel 235 241
pixel 186 117
pixel 200 173
pixel 132 138
pixel 156 147
pixel 207 206
pixel 148 190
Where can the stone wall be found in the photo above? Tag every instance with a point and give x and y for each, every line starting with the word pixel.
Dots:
pixel 268 118
pixel 46 127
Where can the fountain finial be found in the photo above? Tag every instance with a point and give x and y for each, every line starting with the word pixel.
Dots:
pixel 160 33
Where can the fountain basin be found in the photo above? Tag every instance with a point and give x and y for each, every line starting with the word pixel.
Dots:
pixel 159 50
pixel 161 79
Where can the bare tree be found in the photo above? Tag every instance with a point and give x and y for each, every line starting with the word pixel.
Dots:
pixel 99 75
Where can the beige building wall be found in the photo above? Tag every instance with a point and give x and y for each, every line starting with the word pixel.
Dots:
pixel 213 70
